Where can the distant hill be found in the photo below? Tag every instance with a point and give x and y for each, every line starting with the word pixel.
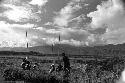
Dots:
pixel 73 50
pixel 56 49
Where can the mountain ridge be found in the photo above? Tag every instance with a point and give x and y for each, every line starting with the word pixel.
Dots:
pixel 69 49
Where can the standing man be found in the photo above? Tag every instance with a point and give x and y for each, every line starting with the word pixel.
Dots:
pixel 66 64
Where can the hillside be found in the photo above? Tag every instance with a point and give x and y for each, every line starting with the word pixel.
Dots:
pixel 74 50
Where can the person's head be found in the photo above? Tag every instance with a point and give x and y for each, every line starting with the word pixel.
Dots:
pixel 24 59
pixel 53 64
pixel 63 54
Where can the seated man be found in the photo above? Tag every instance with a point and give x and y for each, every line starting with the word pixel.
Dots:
pixel 26 64
pixel 36 65
pixel 52 68
pixel 59 68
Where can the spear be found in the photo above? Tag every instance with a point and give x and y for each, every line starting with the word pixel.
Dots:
pixel 26 34
pixel 27 45
pixel 26 39
pixel 59 45
pixel 59 38
pixel 52 48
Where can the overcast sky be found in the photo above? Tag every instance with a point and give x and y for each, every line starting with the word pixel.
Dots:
pixel 79 22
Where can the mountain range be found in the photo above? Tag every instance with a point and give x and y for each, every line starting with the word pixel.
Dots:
pixel 73 50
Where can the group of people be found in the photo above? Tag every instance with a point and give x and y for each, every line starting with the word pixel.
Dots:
pixel 65 67
pixel 26 65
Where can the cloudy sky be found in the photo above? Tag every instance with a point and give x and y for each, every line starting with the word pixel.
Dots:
pixel 79 22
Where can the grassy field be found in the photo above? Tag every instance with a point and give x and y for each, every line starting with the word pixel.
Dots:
pixel 79 72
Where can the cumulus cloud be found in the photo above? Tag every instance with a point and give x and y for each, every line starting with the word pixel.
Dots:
pixel 76 34
pixel 24 13
pixel 13 35
pixel 68 36
pixel 79 18
pixel 73 42
pixel 111 14
pixel 65 14
pixel 10 37
pixel 11 1
pixel 19 13
pixel 49 23
pixel 38 2
pixel 50 41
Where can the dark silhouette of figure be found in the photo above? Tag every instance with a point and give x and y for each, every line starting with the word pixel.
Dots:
pixel 66 62
pixel 26 64
pixel 66 65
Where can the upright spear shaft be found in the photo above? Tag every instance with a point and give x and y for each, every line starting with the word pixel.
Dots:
pixel 26 40
pixel 59 46
pixel 26 34
pixel 52 48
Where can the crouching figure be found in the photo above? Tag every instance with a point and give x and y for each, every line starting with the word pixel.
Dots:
pixel 26 64
pixel 59 68
pixel 52 68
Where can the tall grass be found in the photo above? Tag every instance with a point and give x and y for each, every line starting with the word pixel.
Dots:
pixel 28 76
pixel 79 74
